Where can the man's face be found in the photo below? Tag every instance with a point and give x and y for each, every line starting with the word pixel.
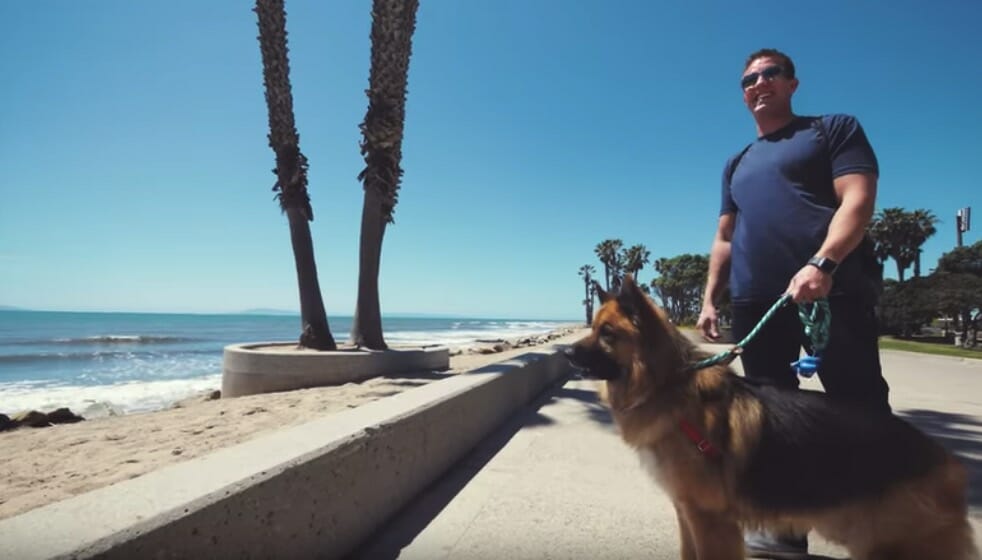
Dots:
pixel 766 89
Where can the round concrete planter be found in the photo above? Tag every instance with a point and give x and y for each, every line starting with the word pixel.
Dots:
pixel 267 367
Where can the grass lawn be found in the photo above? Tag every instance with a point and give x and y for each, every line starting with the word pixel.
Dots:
pixel 891 343
pixel 926 345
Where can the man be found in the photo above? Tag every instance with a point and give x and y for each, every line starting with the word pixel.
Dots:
pixel 795 205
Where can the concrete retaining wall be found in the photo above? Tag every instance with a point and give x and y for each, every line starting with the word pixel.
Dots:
pixel 315 490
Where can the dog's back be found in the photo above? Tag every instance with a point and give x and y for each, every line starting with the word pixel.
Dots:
pixel 816 452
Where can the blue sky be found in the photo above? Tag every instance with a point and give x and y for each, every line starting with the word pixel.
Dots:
pixel 136 173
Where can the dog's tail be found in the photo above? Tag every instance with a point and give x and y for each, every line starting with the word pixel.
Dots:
pixel 953 538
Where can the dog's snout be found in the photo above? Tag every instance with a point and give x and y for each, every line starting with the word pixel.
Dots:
pixel 574 354
pixel 591 362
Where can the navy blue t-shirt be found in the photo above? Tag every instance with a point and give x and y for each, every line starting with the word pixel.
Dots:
pixel 782 194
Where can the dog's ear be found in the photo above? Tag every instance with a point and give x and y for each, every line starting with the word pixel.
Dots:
pixel 631 299
pixel 604 296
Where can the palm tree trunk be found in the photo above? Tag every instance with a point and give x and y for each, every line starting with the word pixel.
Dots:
pixel 291 171
pixel 315 332
pixel 900 271
pixel 393 23
pixel 587 300
pixel 966 323
pixel 366 328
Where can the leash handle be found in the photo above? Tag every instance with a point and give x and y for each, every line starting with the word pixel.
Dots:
pixel 816 317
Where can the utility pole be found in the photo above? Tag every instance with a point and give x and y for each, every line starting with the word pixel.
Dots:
pixel 963 222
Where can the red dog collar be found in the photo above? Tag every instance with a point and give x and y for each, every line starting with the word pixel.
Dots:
pixel 702 443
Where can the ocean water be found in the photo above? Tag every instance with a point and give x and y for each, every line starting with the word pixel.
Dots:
pixel 136 362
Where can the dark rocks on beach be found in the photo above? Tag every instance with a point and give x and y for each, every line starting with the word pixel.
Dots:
pixel 31 418
pixel 63 416
pixel 37 419
pixel 502 346
pixel 493 346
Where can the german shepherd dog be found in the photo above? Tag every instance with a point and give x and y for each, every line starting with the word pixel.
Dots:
pixel 733 454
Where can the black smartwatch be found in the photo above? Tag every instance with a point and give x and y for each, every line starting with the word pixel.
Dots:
pixel 824 264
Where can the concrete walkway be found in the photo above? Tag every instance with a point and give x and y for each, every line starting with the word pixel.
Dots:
pixel 556 481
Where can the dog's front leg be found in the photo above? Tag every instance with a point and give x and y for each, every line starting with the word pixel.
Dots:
pixel 685 536
pixel 713 536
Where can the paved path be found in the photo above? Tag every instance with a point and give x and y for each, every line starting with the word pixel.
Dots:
pixel 556 482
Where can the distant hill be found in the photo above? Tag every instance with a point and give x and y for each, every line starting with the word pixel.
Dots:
pixel 261 311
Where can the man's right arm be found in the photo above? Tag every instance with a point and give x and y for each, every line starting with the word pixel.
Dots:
pixel 718 277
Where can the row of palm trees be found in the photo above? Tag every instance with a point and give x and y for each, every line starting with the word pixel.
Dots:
pixel 618 260
pixel 393 24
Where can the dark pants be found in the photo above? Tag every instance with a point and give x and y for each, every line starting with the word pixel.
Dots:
pixel 850 366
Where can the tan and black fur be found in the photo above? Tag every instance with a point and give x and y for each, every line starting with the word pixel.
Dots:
pixel 786 459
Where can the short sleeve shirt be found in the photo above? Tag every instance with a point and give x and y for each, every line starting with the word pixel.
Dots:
pixel 781 192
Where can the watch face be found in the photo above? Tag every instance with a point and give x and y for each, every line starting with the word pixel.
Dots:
pixel 824 264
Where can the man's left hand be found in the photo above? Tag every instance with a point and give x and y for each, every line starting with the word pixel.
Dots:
pixel 809 284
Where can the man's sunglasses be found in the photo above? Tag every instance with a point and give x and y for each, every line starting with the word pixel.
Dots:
pixel 768 73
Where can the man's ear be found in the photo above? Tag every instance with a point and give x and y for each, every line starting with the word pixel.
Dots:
pixel 604 296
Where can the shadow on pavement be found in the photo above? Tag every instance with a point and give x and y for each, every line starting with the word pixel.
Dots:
pixel 596 410
pixel 959 433
pixel 406 524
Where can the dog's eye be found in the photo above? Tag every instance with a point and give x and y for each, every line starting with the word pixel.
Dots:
pixel 606 332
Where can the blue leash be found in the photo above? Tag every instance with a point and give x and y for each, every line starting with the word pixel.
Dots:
pixel 814 316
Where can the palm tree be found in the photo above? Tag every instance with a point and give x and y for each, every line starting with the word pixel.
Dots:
pixel 393 23
pixel 634 258
pixel 291 171
pixel 586 272
pixel 899 235
pixel 608 253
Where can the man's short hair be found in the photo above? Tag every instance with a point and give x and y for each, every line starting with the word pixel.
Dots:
pixel 783 59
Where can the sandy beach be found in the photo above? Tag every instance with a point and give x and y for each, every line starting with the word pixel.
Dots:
pixel 39 466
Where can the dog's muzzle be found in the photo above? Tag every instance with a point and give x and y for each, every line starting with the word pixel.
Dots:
pixel 592 362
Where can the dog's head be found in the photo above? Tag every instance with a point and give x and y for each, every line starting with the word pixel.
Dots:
pixel 632 341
